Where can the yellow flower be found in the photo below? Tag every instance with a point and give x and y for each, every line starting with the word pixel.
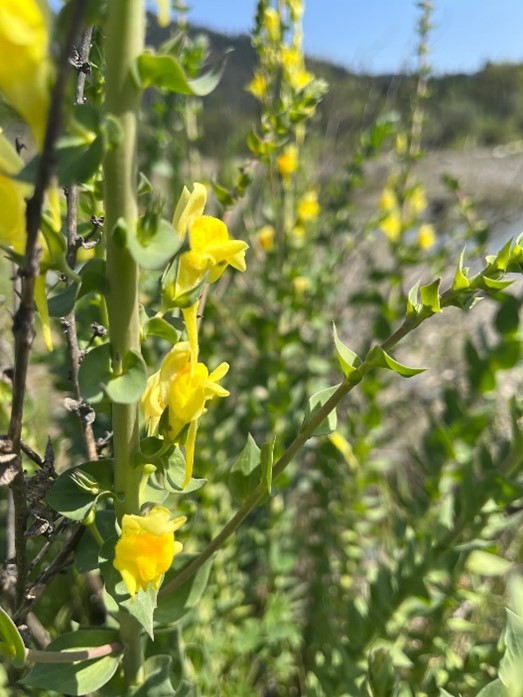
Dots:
pixel 189 207
pixel 391 226
pixel 301 284
pixel 298 232
pixel 308 207
pixel 296 8
pixel 417 200
pixel 294 68
pixel 146 548
pixel 287 162
pixel 25 67
pixel 266 238
pixel 13 224
pixel 271 19
pixel 388 200
pixel 401 144
pixel 185 387
pixel 152 403
pixel 12 198
pixel 299 79
pixel 164 12
pixel 426 236
pixel 258 86
pixel 211 249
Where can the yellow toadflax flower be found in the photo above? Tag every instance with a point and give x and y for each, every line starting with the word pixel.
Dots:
pixel 271 20
pixel 294 68
pixel 146 548
pixel 24 64
pixel 210 252
pixel 185 387
pixel 266 238
pixel 211 249
pixel 164 12
pixel 287 162
pixel 258 86
pixel 417 200
pixel 426 236
pixel 308 207
pixel 388 200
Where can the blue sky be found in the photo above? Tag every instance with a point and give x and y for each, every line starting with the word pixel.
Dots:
pixel 379 35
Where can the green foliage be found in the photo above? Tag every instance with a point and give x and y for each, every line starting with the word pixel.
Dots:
pixel 374 564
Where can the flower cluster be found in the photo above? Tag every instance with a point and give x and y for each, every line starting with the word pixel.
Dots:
pixel 398 216
pixel 183 384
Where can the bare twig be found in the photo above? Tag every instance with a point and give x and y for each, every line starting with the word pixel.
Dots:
pixel 23 324
pixel 61 560
pixel 69 322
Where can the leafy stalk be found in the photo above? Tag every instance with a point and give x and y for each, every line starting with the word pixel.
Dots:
pixel 124 42
pixel 451 296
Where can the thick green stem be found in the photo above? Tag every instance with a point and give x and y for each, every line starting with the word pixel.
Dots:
pixel 124 42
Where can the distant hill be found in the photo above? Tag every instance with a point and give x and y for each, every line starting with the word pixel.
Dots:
pixel 485 108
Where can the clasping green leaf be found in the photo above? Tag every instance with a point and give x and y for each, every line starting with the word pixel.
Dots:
pixel 378 358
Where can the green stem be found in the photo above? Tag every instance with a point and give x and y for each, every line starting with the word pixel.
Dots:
pixel 124 42
pixel 72 656
pixel 410 323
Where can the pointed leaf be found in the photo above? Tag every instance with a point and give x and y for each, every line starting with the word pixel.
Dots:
pixel 379 358
pixel 481 280
pixel 413 304
pixel 245 473
pixel 165 72
pixel 316 401
pixel 499 261
pixel 174 475
pixel 173 606
pixel 430 296
pixel 348 360
pixel 487 564
pixel 461 281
